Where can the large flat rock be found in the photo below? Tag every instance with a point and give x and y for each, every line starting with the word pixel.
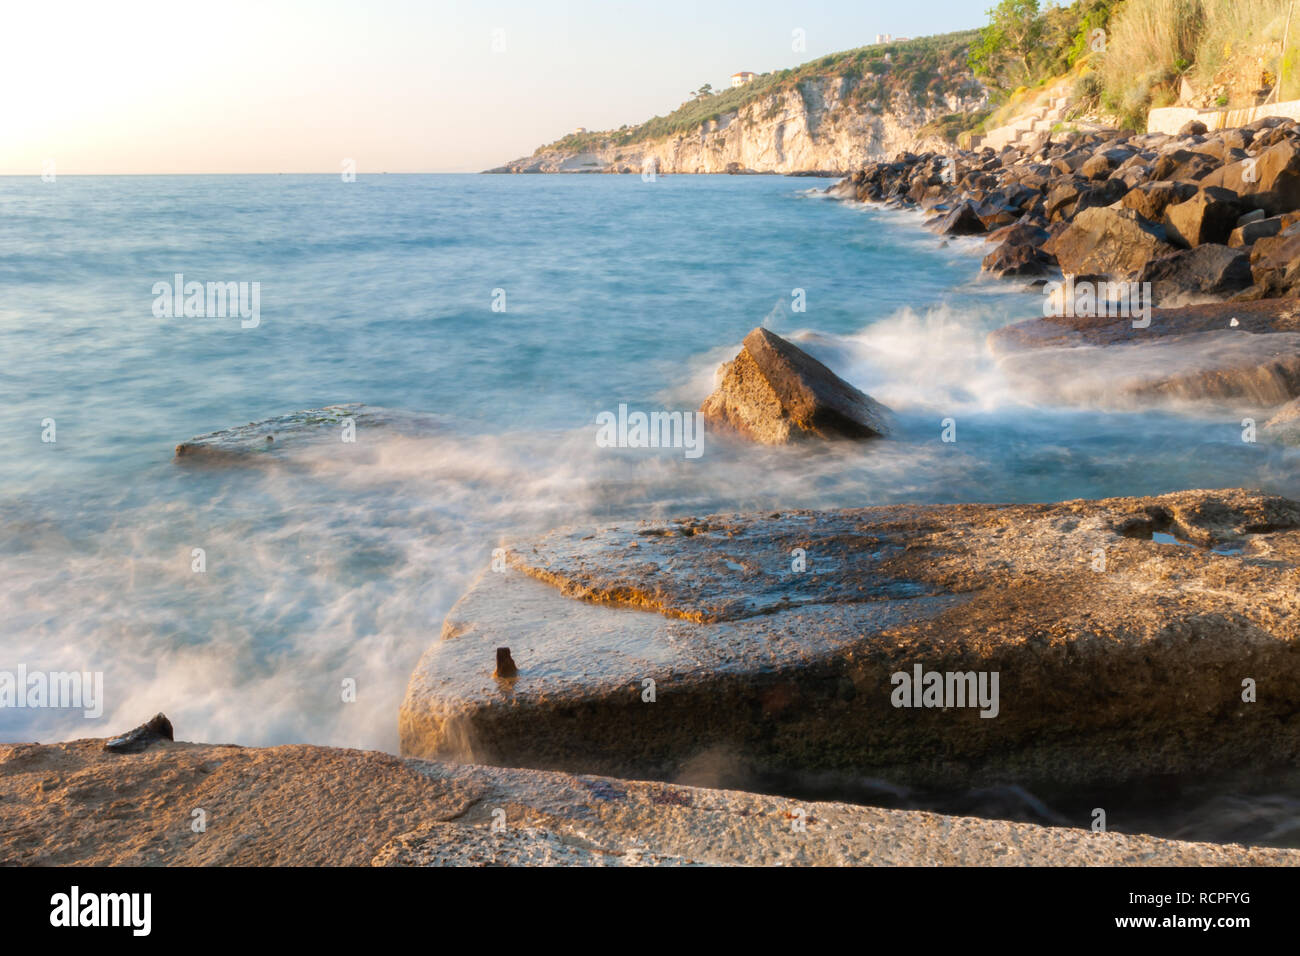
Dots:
pixel 1192 353
pixel 72 804
pixel 760 670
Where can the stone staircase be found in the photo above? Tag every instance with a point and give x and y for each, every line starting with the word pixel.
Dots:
pixel 1040 119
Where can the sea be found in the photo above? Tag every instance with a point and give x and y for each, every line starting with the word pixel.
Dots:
pixel 510 312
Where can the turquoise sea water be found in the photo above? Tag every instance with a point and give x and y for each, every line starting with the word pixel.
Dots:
pixel 381 291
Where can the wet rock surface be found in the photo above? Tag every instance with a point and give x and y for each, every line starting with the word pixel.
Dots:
pixel 1248 351
pixel 72 804
pixel 1107 672
pixel 1284 426
pixel 269 439
pixel 773 392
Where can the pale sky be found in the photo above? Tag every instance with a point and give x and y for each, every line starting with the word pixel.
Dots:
pixel 261 86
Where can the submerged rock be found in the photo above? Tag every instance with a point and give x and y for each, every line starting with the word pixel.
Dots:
pixel 773 392
pixel 772 645
pixel 271 438
pixel 271 434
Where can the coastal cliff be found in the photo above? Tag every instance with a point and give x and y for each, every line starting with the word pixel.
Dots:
pixel 814 127
pixel 833 115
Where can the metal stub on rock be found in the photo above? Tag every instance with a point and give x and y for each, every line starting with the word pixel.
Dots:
pixel 144 736
pixel 505 665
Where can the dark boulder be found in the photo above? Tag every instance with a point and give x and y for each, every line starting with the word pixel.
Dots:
pixel 1250 230
pixel 1208 216
pixel 153 731
pixel 1208 269
pixel 1017 259
pixel 1275 263
pixel 961 220
pixel 1150 200
pixel 1105 194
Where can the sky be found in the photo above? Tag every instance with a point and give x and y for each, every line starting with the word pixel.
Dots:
pixel 267 86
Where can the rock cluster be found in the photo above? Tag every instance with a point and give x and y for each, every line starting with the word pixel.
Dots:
pixel 1199 214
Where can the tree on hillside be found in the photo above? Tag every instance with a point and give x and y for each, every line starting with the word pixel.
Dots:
pixel 1007 47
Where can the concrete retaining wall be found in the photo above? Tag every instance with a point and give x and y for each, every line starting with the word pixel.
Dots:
pixel 1170 119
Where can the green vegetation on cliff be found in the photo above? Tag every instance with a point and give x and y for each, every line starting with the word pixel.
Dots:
pixel 927 69
pixel 1026 43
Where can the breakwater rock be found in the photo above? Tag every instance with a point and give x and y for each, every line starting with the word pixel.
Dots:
pixel 1123 634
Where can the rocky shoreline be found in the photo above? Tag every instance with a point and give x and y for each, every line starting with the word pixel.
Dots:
pixel 1200 216
pixel 1095 644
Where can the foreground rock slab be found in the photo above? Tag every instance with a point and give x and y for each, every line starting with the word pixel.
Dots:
pixel 1241 350
pixel 773 392
pixel 72 804
pixel 1121 632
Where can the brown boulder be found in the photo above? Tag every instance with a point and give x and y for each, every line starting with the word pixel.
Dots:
pixel 1208 216
pixel 1017 259
pixel 1209 269
pixel 1184 164
pixel 1275 263
pixel 773 392
pixel 1020 233
pixel 1268 181
pixel 1062 198
pixel 961 220
pixel 1250 231
pixel 1150 200
pixel 1108 241
pixel 1101 164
